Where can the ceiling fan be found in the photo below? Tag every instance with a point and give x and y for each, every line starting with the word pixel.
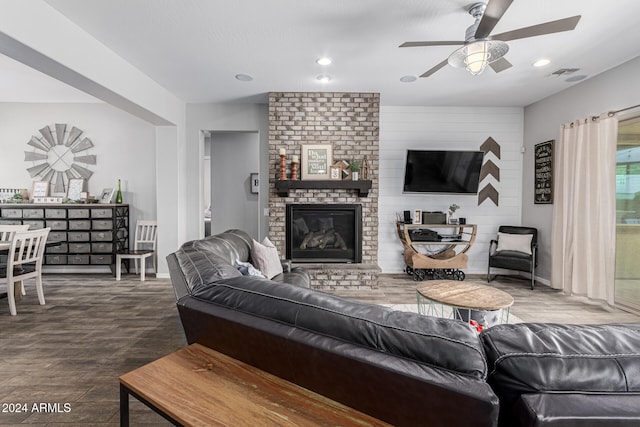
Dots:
pixel 480 48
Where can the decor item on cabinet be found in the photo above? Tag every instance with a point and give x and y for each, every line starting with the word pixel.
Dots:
pixel 543 173
pixel 119 194
pixel 417 216
pixel 283 164
pixel 106 195
pixel 355 169
pixel 255 185
pixel 452 213
pixel 40 189
pixel 294 167
pixel 56 154
pixel 316 159
pixel 75 190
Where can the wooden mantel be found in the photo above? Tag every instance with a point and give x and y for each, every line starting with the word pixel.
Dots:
pixel 284 186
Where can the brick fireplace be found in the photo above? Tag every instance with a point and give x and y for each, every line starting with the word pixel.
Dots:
pixel 350 122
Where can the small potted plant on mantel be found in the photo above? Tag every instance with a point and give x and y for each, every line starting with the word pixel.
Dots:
pixel 355 169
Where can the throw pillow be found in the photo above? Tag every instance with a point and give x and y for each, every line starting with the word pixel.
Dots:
pixel 515 242
pixel 266 259
pixel 247 269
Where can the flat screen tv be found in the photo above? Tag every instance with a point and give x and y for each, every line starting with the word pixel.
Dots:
pixel 431 171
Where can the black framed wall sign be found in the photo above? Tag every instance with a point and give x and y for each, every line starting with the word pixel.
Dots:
pixel 543 172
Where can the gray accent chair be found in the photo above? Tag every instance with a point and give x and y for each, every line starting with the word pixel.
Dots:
pixel 512 259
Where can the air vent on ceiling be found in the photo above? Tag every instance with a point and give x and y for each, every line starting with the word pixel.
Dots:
pixel 564 71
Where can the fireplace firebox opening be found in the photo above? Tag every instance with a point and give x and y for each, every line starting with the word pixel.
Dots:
pixel 324 233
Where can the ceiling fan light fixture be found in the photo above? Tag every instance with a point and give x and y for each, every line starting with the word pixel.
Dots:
pixel 476 55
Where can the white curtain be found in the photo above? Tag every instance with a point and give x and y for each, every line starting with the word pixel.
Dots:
pixel 584 211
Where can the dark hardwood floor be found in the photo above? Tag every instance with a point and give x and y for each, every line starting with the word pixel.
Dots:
pixel 93 329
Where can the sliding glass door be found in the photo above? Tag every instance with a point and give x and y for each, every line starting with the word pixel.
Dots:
pixel 627 284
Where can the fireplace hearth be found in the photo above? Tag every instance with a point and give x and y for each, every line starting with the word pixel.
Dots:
pixel 324 233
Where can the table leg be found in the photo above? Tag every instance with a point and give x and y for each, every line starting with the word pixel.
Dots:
pixel 124 406
pixel 17 290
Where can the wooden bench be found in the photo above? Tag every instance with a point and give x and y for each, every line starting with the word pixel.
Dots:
pixel 197 386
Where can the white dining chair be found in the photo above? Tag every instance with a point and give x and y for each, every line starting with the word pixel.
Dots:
pixel 24 261
pixel 7 231
pixel 144 247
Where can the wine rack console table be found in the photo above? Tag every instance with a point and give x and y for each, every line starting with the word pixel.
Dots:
pixel 92 234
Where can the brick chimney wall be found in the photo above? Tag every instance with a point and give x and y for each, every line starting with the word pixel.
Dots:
pixel 350 122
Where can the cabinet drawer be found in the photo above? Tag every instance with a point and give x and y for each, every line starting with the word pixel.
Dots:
pixel 57 225
pixel 78 236
pixel 102 247
pixel 33 213
pixel 55 213
pixel 57 249
pixel 78 213
pixel 34 224
pixel 57 236
pixel 83 248
pixel 55 259
pixel 101 236
pixel 11 213
pixel 101 213
pixel 80 224
pixel 102 224
pixel 101 259
pixel 78 259
pixel 10 222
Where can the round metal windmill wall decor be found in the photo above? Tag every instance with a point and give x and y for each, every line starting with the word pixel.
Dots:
pixel 58 154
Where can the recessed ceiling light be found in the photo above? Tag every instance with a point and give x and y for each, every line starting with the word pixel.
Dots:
pixel 542 62
pixel 323 61
pixel 244 77
pixel 408 79
pixel 323 78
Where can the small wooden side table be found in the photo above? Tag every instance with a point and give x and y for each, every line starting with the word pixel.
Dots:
pixel 197 386
pixel 461 296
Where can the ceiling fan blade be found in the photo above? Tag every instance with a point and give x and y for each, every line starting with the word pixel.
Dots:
pixel 437 43
pixel 492 14
pixel 566 24
pixel 500 65
pixel 434 69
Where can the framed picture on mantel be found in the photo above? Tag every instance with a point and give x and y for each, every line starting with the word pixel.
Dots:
pixel 316 161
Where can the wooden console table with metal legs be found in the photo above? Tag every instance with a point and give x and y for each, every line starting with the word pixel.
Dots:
pixel 197 386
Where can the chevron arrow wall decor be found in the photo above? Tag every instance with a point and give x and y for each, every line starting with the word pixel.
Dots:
pixel 488 192
pixel 491 146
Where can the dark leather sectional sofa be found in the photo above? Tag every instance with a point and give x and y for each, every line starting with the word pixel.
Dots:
pixel 404 368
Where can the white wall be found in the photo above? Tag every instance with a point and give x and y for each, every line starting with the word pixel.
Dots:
pixel 124 146
pixel 612 90
pixel 450 128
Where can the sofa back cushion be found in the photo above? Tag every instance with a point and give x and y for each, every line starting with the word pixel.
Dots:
pixel 230 246
pixel 447 344
pixel 529 358
pixel 201 268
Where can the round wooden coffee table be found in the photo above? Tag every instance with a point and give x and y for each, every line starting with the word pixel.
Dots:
pixel 464 301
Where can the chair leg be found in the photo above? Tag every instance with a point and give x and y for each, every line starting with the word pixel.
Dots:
pixel 142 268
pixel 39 289
pixel 135 262
pixel 118 267
pixel 22 289
pixel 11 298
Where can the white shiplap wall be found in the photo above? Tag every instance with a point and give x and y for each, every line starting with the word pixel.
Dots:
pixel 449 128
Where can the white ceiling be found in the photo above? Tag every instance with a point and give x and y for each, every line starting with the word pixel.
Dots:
pixel 194 48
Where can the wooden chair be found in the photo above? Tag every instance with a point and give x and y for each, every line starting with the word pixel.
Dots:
pixel 145 236
pixel 24 261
